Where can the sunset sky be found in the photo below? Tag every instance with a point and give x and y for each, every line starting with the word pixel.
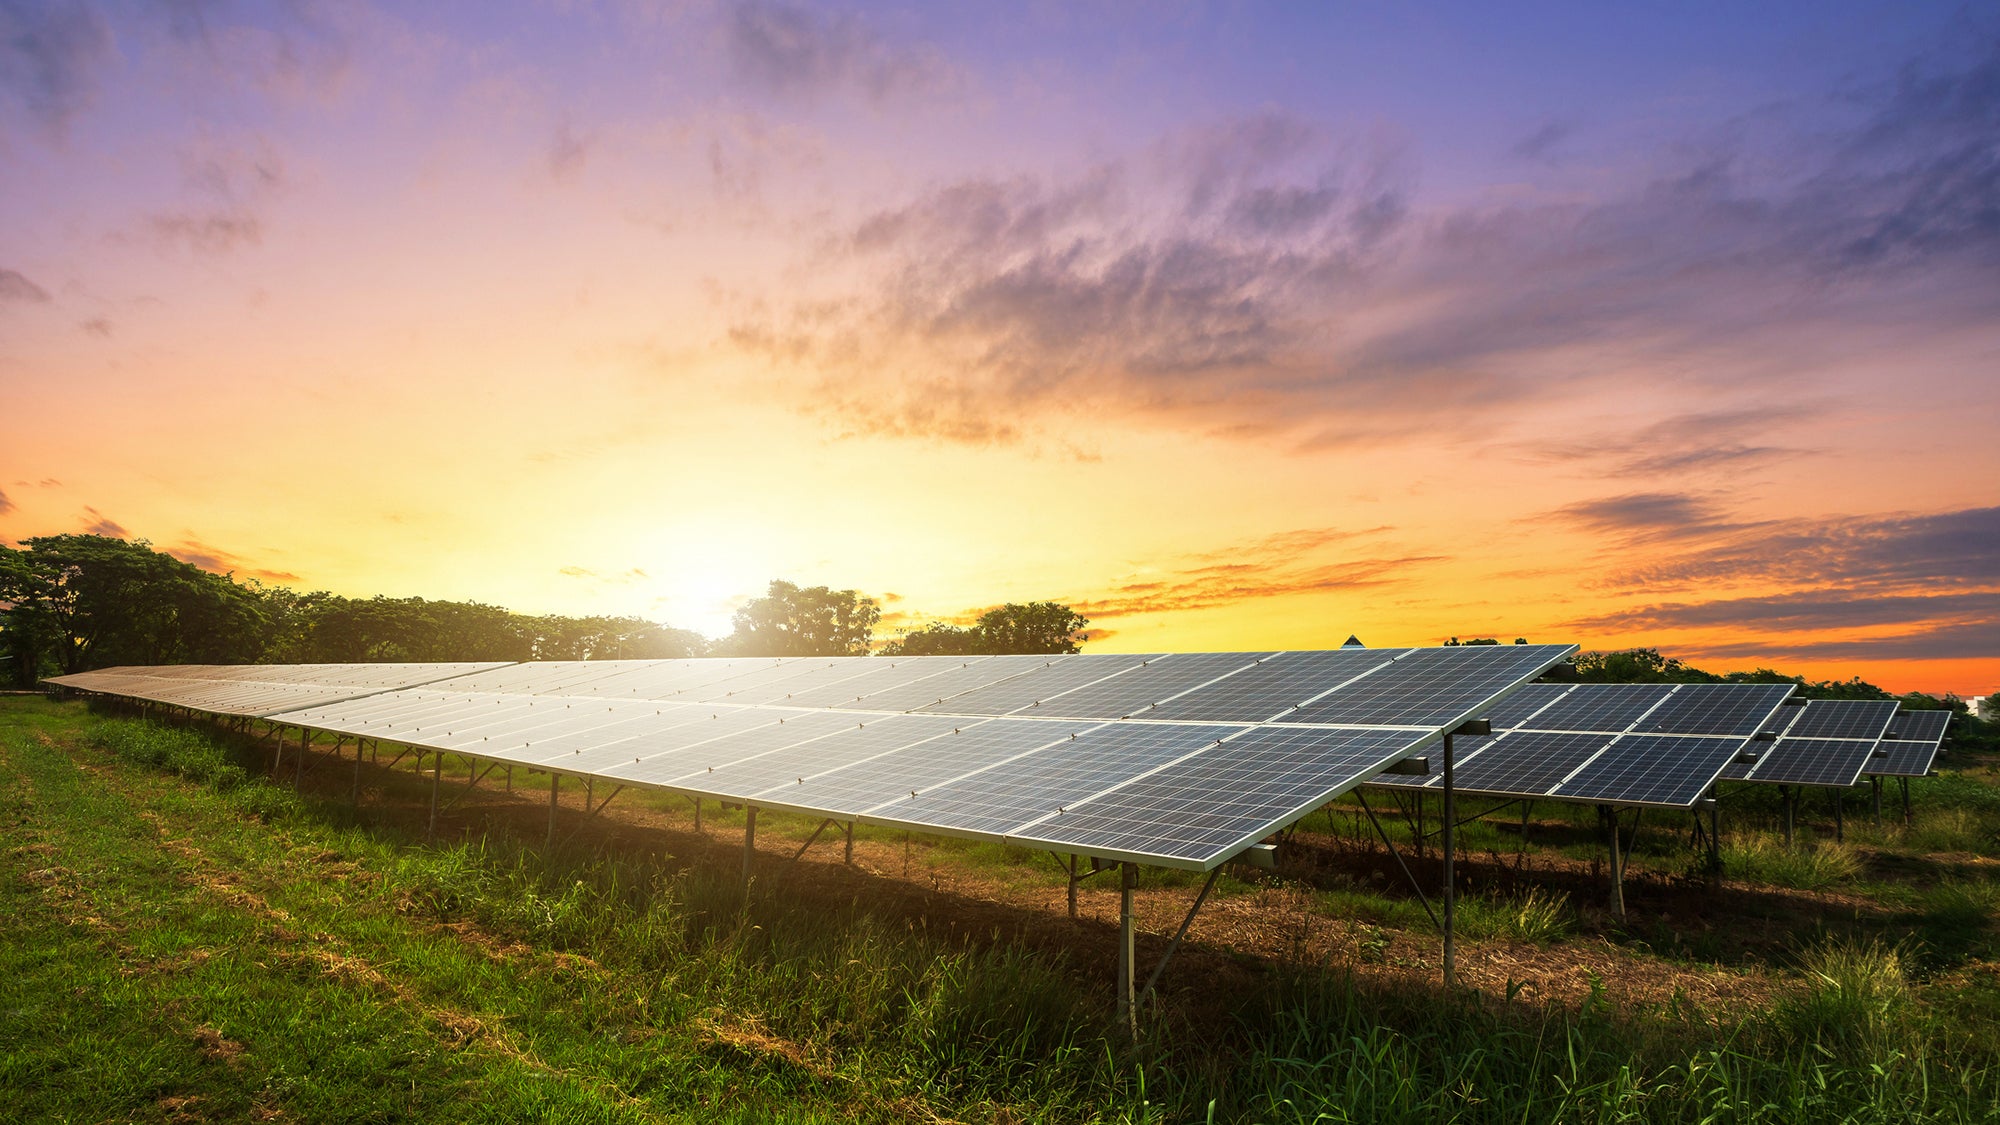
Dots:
pixel 1234 325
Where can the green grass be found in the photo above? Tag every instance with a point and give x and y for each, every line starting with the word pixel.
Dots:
pixel 1816 866
pixel 185 941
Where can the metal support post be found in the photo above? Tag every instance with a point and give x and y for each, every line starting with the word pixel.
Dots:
pixel 1180 933
pixel 1785 794
pixel 1715 833
pixel 1398 857
pixel 555 780
pixel 1128 877
pixel 1450 898
pixel 847 857
pixel 1609 814
pixel 437 773
pixel 749 842
pixel 697 815
pixel 299 771
pixel 1906 800
pixel 1839 828
pixel 1875 799
pixel 354 791
pixel 278 755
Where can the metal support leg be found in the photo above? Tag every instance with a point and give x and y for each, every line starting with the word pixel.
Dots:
pixel 697 815
pixel 1450 855
pixel 1398 857
pixel 437 773
pixel 1128 877
pixel 299 771
pixel 1875 799
pixel 1181 933
pixel 749 842
pixel 1839 828
pixel 354 791
pixel 1906 800
pixel 847 857
pixel 278 755
pixel 555 780
pixel 1610 816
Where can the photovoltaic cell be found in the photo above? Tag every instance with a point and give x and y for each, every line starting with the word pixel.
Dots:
pixel 1431 686
pixel 1522 763
pixel 1913 749
pixel 1277 684
pixel 855 680
pixel 1826 762
pixel 748 776
pixel 955 676
pixel 1009 795
pixel 1716 709
pixel 1608 708
pixel 1060 674
pixel 1651 770
pixel 1920 726
pixel 890 779
pixel 1204 807
pixel 1517 709
pixel 1842 718
pixel 688 753
pixel 1134 691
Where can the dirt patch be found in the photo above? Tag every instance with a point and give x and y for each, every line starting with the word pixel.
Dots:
pixel 215 1045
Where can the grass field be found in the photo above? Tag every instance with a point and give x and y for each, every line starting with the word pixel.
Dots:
pixel 185 940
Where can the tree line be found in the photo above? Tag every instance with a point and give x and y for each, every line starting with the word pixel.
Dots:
pixel 71 603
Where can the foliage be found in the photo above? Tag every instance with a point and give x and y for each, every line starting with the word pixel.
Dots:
pixel 1635 666
pixel 791 620
pixel 89 601
pixel 1037 627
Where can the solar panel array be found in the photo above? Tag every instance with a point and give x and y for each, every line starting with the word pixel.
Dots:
pixel 257 690
pixel 1180 760
pixel 1659 745
pixel 1827 744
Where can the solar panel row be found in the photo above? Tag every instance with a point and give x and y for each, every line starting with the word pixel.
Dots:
pixel 1031 749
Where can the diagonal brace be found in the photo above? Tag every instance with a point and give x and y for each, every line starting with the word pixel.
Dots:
pixel 1181 933
pixel 1398 857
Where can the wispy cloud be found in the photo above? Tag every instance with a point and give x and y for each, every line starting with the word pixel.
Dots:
pixel 800 50
pixel 16 287
pixel 97 523
pixel 7 505
pixel 1261 278
pixel 1309 560
pixel 218 561
pixel 1955 550
pixel 50 53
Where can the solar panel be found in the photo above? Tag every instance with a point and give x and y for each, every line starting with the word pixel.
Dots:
pixel 1009 794
pixel 892 778
pixel 1842 718
pixel 1522 763
pixel 1609 708
pixel 1058 675
pixel 1652 770
pixel 1829 762
pixel 1914 747
pixel 736 776
pixel 1277 684
pixel 1716 709
pixel 1518 708
pixel 1135 690
pixel 689 753
pixel 1208 805
pixel 857 679
pixel 1431 686
pixel 955 675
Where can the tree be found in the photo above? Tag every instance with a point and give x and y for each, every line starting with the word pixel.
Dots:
pixel 1035 627
pixel 89 601
pixel 1636 666
pixel 791 620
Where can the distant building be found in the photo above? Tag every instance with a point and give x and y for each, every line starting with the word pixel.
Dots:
pixel 1352 642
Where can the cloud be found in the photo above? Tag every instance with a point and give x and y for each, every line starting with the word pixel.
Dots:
pixel 1285 563
pixel 218 561
pixel 568 152
pixel 1541 144
pixel 1643 516
pixel 620 578
pixel 1684 444
pixel 802 51
pixel 1897 552
pixel 97 326
pixel 7 505
pixel 1261 279
pixel 207 233
pixel 15 287
pixel 1969 641
pixel 50 52
pixel 99 524
pixel 1808 610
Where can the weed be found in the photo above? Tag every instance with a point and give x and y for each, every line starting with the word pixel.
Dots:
pixel 1757 858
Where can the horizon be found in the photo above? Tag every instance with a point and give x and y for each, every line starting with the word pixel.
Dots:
pixel 1231 327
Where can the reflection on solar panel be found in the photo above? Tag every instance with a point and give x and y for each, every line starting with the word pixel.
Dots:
pixel 1279 683
pixel 1135 691
pixel 1525 763
pixel 1175 792
pixel 256 690
pixel 1652 770
pixel 1057 675
pixel 1430 687
pixel 1843 718
pixel 1715 709
pixel 1829 762
pixel 1208 803
pixel 1601 707
pixel 1913 747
